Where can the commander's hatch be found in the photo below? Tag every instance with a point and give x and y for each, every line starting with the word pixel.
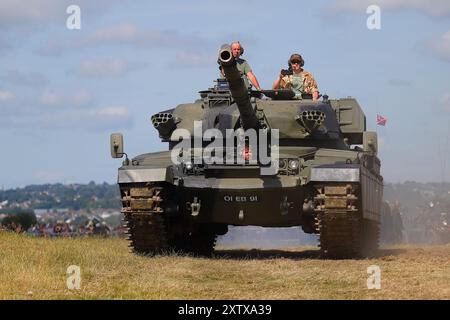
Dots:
pixel 351 119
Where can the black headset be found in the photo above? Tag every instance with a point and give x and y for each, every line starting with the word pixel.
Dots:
pixel 302 62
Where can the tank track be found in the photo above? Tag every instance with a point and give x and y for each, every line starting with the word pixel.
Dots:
pixel 198 242
pixel 144 220
pixel 150 231
pixel 344 233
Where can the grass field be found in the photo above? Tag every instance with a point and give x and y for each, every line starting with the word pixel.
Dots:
pixel 35 268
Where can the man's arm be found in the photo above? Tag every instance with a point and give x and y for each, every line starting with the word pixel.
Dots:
pixel 310 85
pixel 253 80
pixel 276 84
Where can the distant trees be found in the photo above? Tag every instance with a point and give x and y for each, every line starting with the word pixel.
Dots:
pixel 18 219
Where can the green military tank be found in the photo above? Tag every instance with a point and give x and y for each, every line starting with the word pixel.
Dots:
pixel 238 157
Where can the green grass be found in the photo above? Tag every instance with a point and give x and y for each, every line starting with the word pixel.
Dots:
pixel 35 268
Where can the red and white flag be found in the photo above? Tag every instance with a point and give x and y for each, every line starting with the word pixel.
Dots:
pixel 381 121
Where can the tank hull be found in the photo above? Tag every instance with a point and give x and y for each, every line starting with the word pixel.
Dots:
pixel 233 198
pixel 258 206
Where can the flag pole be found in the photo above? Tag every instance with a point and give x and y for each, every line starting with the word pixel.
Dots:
pixel 376 109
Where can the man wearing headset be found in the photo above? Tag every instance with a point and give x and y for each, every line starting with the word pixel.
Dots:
pixel 297 79
pixel 243 66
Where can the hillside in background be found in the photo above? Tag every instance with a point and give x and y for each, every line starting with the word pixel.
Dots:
pixel 412 196
pixel 422 207
pixel 61 196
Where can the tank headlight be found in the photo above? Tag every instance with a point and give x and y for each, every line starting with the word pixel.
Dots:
pixel 293 164
pixel 282 163
pixel 189 166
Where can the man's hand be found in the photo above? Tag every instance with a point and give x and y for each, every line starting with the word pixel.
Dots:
pixel 253 80
pixel 285 72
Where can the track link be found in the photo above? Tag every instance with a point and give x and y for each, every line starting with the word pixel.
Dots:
pixel 150 231
pixel 144 220
pixel 344 233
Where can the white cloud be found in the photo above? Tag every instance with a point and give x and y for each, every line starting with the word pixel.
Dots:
pixel 33 117
pixel 56 109
pixel 50 98
pixel 122 34
pixel 432 8
pixel 53 98
pixel 113 112
pixel 440 46
pixel 125 32
pixel 6 96
pixel 21 19
pixel 27 79
pixel 14 14
pixel 189 59
pixel 105 68
pixel 92 120
pixel 81 97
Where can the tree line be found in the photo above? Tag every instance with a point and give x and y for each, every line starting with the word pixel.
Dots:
pixel 61 196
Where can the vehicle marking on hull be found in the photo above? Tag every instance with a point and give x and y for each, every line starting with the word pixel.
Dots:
pixel 240 198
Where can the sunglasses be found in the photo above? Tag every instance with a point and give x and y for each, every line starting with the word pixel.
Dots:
pixel 295 62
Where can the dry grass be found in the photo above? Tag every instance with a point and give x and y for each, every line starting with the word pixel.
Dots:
pixel 35 268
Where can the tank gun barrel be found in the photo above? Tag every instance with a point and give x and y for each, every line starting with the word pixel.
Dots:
pixel 238 90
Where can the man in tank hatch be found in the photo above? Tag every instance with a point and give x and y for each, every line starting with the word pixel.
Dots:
pixel 297 79
pixel 243 66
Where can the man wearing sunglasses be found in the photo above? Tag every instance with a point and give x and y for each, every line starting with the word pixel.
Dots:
pixel 297 79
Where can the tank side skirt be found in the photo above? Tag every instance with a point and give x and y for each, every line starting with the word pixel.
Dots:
pixel 372 193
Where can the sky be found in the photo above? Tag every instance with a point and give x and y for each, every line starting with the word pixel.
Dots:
pixel 64 91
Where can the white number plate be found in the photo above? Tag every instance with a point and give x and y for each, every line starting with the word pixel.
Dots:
pixel 241 198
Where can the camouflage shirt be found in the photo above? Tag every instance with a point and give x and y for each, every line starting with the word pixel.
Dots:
pixel 299 83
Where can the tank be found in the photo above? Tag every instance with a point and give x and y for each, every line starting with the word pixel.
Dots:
pixel 238 157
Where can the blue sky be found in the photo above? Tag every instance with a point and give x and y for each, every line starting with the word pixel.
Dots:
pixel 62 92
